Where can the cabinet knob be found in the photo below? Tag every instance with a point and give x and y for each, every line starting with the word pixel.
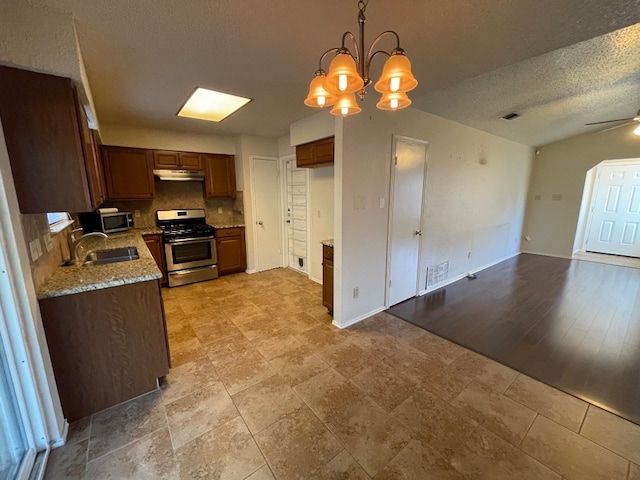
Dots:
pixel 419 233
pixel 260 222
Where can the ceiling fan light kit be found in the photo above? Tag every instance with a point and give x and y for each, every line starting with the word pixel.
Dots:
pixel 349 74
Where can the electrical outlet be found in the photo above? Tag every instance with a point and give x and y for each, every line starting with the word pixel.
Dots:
pixel 356 292
pixel 48 243
pixel 318 213
pixel 381 202
pixel 219 209
pixel 136 213
pixel 33 249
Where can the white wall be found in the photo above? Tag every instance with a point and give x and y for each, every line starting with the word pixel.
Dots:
pixel 560 169
pixel 474 200
pixel 321 211
pixel 314 127
pixel 246 147
pixel 151 138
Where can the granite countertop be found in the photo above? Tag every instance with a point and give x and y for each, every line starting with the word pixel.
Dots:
pixel 328 242
pixel 147 230
pixel 76 278
pixel 229 225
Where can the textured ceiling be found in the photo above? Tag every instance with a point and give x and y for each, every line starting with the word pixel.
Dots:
pixel 475 59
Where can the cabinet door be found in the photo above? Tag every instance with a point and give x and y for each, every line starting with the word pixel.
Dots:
pixel 94 172
pixel 128 173
pixel 154 244
pixel 220 179
pixel 327 277
pixel 191 161
pixel 304 155
pixel 324 151
pixel 166 160
pixel 230 244
pixel 41 132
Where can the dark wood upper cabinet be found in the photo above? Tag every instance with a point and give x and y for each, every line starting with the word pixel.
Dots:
pixel 93 165
pixel 128 173
pixel 220 175
pixel 177 160
pixel 315 154
pixel 49 149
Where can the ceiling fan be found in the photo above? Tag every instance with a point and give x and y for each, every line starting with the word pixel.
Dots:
pixel 628 121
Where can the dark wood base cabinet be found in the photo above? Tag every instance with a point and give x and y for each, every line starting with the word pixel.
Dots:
pixel 154 244
pixel 232 250
pixel 327 278
pixel 106 346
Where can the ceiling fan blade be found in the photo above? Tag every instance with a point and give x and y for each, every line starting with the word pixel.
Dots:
pixel 610 121
pixel 614 127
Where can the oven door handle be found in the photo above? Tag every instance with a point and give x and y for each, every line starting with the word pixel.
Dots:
pixel 190 240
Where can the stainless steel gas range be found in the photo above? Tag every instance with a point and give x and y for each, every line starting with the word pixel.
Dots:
pixel 189 245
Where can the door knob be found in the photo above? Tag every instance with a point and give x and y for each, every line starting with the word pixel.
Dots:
pixel 419 232
pixel 260 222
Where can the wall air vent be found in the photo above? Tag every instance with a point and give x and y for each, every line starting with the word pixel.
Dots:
pixel 511 116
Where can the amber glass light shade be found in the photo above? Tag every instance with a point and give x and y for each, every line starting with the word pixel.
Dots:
pixel 343 75
pixel 393 101
pixel 318 96
pixel 346 105
pixel 396 75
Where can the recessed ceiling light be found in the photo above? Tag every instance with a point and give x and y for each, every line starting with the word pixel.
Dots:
pixel 210 105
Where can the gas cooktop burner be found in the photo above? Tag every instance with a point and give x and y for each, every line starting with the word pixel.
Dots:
pixel 180 224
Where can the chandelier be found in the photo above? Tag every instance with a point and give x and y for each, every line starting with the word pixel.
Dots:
pixel 349 74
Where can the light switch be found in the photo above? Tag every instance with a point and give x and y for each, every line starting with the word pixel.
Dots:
pixel 381 202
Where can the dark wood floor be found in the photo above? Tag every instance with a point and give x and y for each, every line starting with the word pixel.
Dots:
pixel 571 324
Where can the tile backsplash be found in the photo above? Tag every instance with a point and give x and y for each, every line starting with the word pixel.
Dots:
pixel 179 195
pixel 35 227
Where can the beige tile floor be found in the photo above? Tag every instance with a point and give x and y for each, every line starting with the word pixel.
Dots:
pixel 263 387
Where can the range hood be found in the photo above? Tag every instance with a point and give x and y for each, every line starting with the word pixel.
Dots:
pixel 179 175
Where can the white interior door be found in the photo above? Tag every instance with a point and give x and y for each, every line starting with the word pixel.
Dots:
pixel 296 216
pixel 405 229
pixel 266 209
pixel 614 223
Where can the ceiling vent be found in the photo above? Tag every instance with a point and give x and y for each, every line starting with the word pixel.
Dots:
pixel 511 116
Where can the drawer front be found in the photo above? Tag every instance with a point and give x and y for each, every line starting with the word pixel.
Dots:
pixel 229 232
pixel 327 253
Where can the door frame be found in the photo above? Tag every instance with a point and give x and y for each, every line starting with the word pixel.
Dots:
pixel 591 183
pixel 254 230
pixel 283 204
pixel 392 180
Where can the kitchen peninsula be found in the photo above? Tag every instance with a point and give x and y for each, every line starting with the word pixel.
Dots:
pixel 105 329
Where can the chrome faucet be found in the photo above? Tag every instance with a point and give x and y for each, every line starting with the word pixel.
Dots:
pixel 76 244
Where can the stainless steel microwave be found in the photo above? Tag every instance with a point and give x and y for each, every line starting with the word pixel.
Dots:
pixel 106 222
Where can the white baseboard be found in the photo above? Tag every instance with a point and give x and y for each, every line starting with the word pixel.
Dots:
pixel 251 271
pixel 546 254
pixel 358 319
pixel 449 281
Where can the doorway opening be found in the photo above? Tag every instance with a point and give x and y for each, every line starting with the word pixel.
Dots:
pixel 296 213
pixel 608 228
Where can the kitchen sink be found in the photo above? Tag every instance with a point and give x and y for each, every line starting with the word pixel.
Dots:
pixel 112 255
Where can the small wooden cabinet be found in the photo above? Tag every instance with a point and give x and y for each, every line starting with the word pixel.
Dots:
pixel 315 154
pixel 128 173
pixel 177 160
pixel 48 142
pixel 106 345
pixel 220 175
pixel 154 244
pixel 327 278
pixel 232 251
